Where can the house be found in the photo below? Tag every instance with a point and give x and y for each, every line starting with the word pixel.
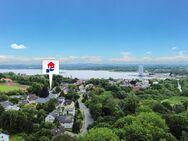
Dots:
pixel 51 65
pixel 89 86
pixel 66 121
pixel 23 102
pixel 50 118
pixel 6 80
pixel 31 98
pixel 57 131
pixel 4 137
pixel 60 102
pixel 65 90
pixel 69 109
pixel 82 89
pixel 6 104
pixel 14 107
pixel 67 102
pixel 79 82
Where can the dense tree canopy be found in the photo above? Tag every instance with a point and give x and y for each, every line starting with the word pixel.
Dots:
pixel 100 134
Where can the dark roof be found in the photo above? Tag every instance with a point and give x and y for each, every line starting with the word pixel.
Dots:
pixel 67 102
pixel 6 104
pixel 32 97
pixel 65 119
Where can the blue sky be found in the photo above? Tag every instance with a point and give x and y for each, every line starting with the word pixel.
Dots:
pixel 94 31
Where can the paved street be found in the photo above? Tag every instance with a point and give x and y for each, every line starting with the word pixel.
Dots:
pixel 88 120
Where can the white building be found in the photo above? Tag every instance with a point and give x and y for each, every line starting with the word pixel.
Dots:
pixel 14 107
pixel 60 102
pixel 50 118
pixel 4 137
pixel 7 105
pixel 69 109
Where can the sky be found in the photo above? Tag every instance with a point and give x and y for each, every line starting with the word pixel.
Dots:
pixel 94 31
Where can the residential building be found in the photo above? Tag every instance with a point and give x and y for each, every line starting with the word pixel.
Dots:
pixel 4 137
pixel 60 102
pixel 7 105
pixel 31 98
pixel 50 118
pixel 69 109
pixel 66 121
pixel 14 107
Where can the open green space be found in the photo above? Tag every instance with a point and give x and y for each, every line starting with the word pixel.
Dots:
pixel 176 99
pixel 16 138
pixel 13 87
pixel 4 88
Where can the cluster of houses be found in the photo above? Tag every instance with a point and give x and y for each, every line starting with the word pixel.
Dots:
pixel 141 84
pixel 64 114
pixel 31 98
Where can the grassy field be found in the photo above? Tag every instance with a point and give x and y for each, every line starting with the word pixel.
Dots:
pixel 176 99
pixel 13 87
pixel 8 88
pixel 16 138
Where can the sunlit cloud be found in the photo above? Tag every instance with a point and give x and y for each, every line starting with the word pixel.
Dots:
pixel 181 57
pixel 16 46
pixel 8 59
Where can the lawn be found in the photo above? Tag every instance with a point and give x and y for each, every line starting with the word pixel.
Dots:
pixel 16 138
pixel 176 99
pixel 5 88
pixel 13 87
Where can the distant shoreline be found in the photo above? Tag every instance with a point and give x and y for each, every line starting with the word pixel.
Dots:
pixel 88 74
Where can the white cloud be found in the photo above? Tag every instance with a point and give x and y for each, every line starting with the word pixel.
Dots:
pixel 82 59
pixel 16 46
pixel 126 57
pixel 9 59
pixel 174 48
pixel 181 57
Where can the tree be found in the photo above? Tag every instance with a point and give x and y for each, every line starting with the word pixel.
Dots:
pixel 130 105
pixel 1 110
pixel 57 89
pixel 3 97
pixel 43 138
pixel 35 88
pixel 44 92
pixel 177 123
pixel 50 105
pixel 76 126
pixel 57 79
pixel 146 126
pixel 14 121
pixel 158 107
pixel 99 134
pixel 64 137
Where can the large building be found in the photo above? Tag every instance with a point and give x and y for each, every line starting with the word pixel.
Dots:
pixel 141 70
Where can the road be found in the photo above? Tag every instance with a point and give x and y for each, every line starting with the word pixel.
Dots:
pixel 88 120
pixel 179 86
